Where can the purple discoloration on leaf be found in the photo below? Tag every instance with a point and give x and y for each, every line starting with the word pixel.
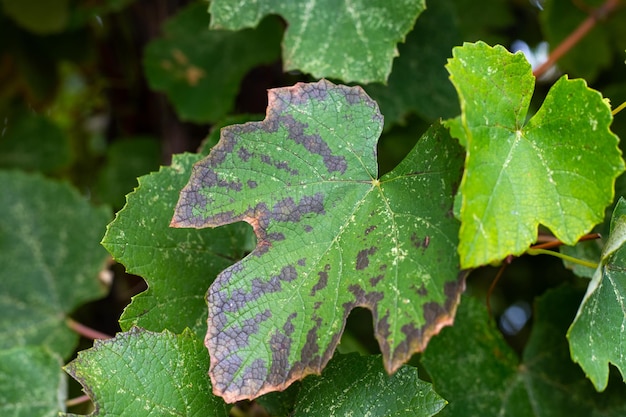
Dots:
pixel 327 234
pixel 362 258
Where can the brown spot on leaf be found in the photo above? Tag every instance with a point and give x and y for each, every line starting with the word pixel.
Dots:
pixel 362 258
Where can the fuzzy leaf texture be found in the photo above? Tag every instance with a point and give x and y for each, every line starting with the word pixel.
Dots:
pixel 50 259
pixel 331 236
pixel 359 45
pixel 140 373
pixel 557 169
pixel 597 335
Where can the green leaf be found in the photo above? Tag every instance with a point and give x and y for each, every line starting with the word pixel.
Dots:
pixel 419 82
pixel 31 382
pixel 32 142
pixel 358 385
pixel 557 169
pixel 473 367
pixel 126 160
pixel 598 334
pixel 200 69
pixel 359 45
pixel 50 260
pixel 141 373
pixel 41 17
pixel 331 237
pixel 178 265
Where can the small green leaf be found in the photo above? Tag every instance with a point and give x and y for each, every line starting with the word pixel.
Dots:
pixel 331 237
pixel 50 260
pixel 358 385
pixel 359 45
pixel 200 69
pixel 474 368
pixel 140 373
pixel 558 169
pixel 178 265
pixel 598 334
pixel 32 382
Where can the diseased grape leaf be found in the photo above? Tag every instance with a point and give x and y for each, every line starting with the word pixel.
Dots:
pixel 50 260
pixel 557 169
pixel 200 69
pixel 331 237
pixel 358 385
pixel 178 265
pixel 359 45
pixel 32 382
pixel 141 373
pixel 474 368
pixel 598 334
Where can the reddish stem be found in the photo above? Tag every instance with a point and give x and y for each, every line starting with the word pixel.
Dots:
pixel 86 331
pixel 568 43
pixel 78 400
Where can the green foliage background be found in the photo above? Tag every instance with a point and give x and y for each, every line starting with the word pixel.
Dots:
pixel 94 95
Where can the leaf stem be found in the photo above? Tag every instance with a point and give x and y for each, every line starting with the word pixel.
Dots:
pixel 77 400
pixel 568 43
pixel 619 108
pixel 568 258
pixel 86 331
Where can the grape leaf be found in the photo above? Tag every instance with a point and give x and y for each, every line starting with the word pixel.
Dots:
pixel 200 69
pixel 358 385
pixel 359 45
pixel 31 382
pixel 557 169
pixel 178 265
pixel 473 367
pixel 598 334
pixel 113 372
pixel 331 236
pixel 50 260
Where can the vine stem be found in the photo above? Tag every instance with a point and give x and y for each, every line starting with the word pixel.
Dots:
pixel 619 108
pixel 86 331
pixel 77 400
pixel 568 43
pixel 568 258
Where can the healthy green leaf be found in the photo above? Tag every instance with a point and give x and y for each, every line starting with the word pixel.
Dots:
pixel 359 45
pixel 358 385
pixel 200 69
pixel 178 265
pixel 31 382
pixel 557 169
pixel 598 333
pixel 140 373
pixel 50 260
pixel 331 237
pixel 473 367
